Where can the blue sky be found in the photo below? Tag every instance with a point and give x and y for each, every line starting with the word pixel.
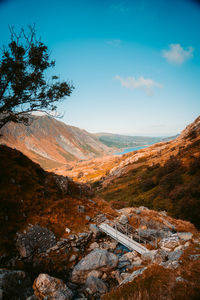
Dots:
pixel 135 64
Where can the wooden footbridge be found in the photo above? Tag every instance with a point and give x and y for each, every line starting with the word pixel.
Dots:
pixel 122 238
pixel 128 236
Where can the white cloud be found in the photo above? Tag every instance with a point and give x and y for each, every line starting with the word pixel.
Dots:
pixel 114 43
pixel 145 84
pixel 177 54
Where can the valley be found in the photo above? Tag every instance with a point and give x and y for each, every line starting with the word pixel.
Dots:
pixel 51 220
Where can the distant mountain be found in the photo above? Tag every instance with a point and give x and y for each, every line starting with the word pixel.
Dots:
pixel 170 138
pixel 125 141
pixel 52 143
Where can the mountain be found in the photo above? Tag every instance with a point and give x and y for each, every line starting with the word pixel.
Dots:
pixel 52 143
pixel 164 176
pixel 125 141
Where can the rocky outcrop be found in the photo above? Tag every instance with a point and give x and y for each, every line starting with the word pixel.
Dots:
pixel 51 288
pixel 96 260
pixel 14 285
pixel 35 239
pixel 132 276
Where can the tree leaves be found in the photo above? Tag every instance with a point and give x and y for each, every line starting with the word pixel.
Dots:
pixel 23 87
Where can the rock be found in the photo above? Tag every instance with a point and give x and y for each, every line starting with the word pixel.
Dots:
pixel 96 260
pixel 112 245
pixel 165 249
pixel 75 249
pixel 116 274
pixel 95 273
pixel 187 244
pixel 83 238
pixel 14 284
pixel 138 212
pixel 123 262
pixel 170 242
pixel 72 258
pixel 123 220
pixel 96 231
pixel 67 230
pixel 72 237
pixel 35 239
pixel 161 256
pixel 149 255
pixel 155 256
pixel 175 255
pixel 131 255
pixel 81 209
pixel 137 262
pixel 185 236
pixel 109 245
pixel 132 276
pixel 180 279
pixel 170 264
pixel 168 225
pixel 47 287
pixel 124 275
pixel 153 233
pixel 87 218
pixel 94 246
pixel 96 285
pixel 179 248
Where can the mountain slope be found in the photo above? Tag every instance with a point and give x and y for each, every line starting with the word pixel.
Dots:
pixel 165 176
pixel 52 143
pixel 30 195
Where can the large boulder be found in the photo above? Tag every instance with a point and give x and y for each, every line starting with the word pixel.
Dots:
pixel 14 285
pixel 51 288
pixel 35 239
pixel 96 260
pixel 95 285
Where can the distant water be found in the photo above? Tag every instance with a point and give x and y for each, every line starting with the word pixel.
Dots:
pixel 127 150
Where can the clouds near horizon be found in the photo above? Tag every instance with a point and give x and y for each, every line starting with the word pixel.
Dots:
pixel 177 54
pixel 146 84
